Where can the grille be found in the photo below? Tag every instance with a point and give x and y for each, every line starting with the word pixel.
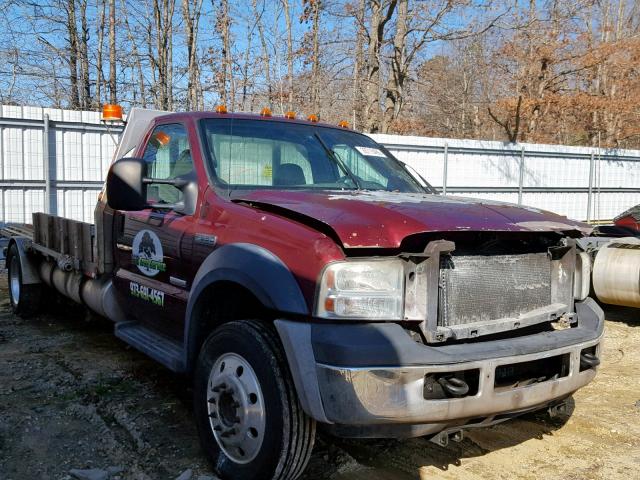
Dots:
pixel 488 288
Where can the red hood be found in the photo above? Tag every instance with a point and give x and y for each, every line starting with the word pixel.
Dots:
pixel 384 219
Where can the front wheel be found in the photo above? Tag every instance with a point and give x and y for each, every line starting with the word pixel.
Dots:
pixel 24 298
pixel 250 422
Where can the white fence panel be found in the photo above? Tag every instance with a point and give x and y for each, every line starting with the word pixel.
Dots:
pixel 579 182
pixel 52 160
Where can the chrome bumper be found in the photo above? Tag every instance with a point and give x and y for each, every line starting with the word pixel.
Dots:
pixel 363 396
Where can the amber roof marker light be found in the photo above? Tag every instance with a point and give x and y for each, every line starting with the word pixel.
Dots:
pixel 290 115
pixel 343 124
pixel 265 112
pixel 313 118
pixel 221 109
pixel 111 113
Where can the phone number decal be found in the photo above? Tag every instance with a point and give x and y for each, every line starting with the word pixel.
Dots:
pixel 147 294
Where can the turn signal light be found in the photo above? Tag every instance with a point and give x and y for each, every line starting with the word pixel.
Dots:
pixel 290 115
pixel 221 109
pixel 343 124
pixel 265 112
pixel 111 113
pixel 313 118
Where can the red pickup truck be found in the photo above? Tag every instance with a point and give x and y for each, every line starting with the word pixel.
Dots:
pixel 302 275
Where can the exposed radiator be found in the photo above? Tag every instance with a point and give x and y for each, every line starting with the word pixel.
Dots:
pixel 488 288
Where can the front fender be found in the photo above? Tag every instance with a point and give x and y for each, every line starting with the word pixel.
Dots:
pixel 256 269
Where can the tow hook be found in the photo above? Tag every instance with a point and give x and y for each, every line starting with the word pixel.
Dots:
pixel 588 360
pixel 558 410
pixel 454 386
pixel 442 438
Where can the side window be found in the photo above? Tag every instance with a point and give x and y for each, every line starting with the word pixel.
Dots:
pixel 168 156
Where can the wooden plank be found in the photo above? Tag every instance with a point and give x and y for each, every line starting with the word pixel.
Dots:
pixel 87 247
pixel 34 222
pixel 50 229
pixel 75 239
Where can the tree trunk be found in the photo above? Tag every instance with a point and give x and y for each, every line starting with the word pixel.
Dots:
pixel 113 94
pixel 381 13
pixel 136 56
pixel 397 76
pixel 287 18
pixel 99 70
pixel 266 57
pixel 357 66
pixel 83 55
pixel 72 31
pixel 163 18
pixel 191 17
pixel 315 70
pixel 228 57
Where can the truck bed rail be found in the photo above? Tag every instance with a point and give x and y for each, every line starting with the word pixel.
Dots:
pixel 65 240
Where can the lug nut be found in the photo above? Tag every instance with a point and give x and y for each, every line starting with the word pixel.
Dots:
pixel 228 433
pixel 219 388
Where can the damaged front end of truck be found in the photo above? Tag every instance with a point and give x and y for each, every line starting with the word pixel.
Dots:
pixel 456 326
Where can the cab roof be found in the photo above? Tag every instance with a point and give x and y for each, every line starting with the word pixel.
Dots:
pixel 242 116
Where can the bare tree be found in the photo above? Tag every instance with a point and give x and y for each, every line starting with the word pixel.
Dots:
pixel 113 93
pixel 161 59
pixel 137 59
pixel 289 36
pixel 100 34
pixel 191 10
pixel 83 55
pixel 72 31
pixel 358 62
pixel 266 57
pixel 381 12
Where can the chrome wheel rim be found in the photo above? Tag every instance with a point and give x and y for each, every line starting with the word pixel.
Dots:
pixel 236 408
pixel 14 279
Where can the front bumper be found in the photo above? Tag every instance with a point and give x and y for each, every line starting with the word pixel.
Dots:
pixel 374 374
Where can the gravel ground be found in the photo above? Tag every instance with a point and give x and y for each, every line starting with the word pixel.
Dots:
pixel 72 396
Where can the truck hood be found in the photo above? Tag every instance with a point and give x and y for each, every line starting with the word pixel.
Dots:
pixel 378 219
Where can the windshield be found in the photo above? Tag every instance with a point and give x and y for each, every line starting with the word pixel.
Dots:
pixel 257 154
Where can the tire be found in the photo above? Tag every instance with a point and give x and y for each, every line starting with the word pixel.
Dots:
pixel 25 298
pixel 238 358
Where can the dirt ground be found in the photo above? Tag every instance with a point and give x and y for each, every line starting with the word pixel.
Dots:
pixel 74 396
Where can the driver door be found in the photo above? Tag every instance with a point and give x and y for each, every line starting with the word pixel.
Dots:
pixel 153 275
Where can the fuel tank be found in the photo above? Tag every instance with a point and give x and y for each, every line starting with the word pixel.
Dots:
pixel 616 273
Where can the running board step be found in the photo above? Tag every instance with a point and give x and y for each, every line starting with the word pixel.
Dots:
pixel 161 348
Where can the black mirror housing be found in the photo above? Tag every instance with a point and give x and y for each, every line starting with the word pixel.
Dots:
pixel 125 187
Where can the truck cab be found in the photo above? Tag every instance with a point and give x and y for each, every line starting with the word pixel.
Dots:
pixel 302 275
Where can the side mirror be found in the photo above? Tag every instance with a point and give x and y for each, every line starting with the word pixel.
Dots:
pixel 125 185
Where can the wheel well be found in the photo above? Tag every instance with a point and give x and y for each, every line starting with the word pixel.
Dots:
pixel 219 303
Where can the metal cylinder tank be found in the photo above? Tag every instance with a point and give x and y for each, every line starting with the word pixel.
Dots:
pixel 616 273
pixel 96 293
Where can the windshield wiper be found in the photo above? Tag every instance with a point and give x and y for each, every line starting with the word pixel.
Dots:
pixel 338 161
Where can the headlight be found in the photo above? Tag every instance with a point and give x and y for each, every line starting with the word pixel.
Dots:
pixel 582 279
pixel 371 289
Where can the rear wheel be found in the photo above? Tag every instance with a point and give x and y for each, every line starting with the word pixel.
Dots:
pixel 249 419
pixel 25 298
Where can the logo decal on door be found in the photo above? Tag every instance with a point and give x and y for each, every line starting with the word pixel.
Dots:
pixel 147 253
